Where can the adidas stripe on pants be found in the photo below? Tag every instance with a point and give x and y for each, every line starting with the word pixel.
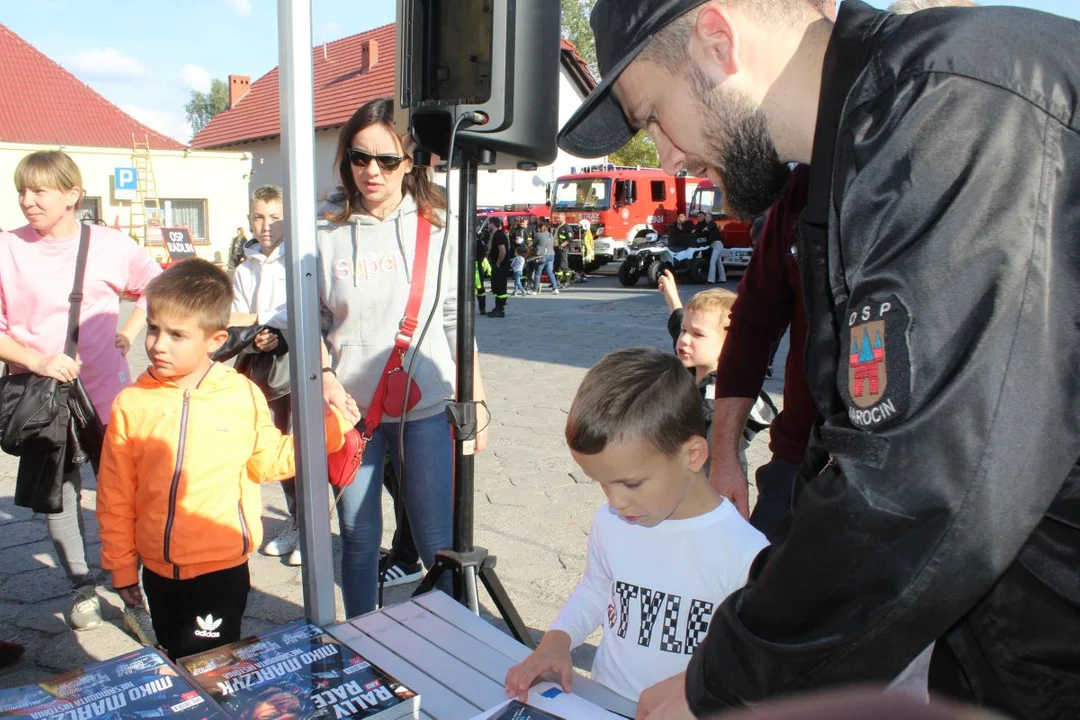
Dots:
pixel 191 616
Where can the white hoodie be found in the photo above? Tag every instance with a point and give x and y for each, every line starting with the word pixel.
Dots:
pixel 365 269
pixel 259 286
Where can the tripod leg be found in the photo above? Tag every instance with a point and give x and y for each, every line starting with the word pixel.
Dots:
pixel 502 601
pixel 470 590
pixel 430 580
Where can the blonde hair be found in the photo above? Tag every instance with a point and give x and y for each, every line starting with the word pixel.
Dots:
pixel 267 193
pixel 51 169
pixel 713 300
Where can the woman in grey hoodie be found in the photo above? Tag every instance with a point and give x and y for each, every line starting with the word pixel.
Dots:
pixel 366 249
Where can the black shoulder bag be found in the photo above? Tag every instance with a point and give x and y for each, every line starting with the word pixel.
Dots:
pixel 33 408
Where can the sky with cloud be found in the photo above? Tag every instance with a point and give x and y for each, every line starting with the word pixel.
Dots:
pixel 147 57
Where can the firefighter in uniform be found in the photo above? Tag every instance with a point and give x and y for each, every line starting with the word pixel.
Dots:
pixel 940 496
pixel 483 271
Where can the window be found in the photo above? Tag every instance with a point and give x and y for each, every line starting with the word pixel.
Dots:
pixel 584 194
pixel 89 210
pixel 187 213
pixel 659 191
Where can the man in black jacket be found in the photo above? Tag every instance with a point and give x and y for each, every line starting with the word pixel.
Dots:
pixel 940 495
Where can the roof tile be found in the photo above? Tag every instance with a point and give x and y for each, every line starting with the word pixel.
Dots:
pixel 53 107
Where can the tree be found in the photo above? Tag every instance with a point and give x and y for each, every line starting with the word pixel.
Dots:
pixel 641 151
pixel 202 107
pixel 576 29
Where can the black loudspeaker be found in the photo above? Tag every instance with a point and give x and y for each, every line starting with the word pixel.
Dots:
pixel 497 58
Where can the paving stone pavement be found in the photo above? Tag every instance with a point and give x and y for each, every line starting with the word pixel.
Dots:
pixel 533 504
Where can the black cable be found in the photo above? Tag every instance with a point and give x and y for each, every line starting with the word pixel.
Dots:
pixel 399 507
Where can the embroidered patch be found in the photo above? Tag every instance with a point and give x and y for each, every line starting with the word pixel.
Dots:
pixel 876 382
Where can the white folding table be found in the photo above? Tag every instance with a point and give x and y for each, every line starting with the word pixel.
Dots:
pixel 455 660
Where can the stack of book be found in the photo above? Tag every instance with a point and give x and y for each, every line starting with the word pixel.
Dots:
pixel 291 672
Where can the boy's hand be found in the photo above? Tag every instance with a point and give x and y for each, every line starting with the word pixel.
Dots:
pixel 552 655
pixel 132 596
pixel 266 340
pixel 670 291
pixel 666 700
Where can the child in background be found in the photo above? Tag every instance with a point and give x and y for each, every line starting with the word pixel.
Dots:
pixel 517 267
pixel 259 299
pixel 665 550
pixel 185 451
pixel 699 333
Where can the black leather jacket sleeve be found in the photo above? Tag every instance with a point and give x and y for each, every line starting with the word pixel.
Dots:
pixel 955 201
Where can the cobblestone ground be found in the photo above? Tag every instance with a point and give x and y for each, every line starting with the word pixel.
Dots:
pixel 533 504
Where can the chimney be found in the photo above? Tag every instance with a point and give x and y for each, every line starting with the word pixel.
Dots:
pixel 369 55
pixel 238 88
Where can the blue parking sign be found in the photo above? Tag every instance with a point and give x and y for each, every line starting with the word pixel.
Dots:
pixel 125 178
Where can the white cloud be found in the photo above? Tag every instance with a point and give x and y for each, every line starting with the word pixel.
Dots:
pixel 195 77
pixel 165 122
pixel 106 64
pixel 241 7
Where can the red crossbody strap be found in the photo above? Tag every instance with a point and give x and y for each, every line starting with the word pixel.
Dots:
pixel 408 324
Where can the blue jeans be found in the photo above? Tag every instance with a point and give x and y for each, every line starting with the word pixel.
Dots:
pixel 429 501
pixel 548 266
pixel 518 287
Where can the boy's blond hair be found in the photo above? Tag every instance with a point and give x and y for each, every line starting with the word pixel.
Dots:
pixel 51 169
pixel 713 300
pixel 268 193
pixel 193 288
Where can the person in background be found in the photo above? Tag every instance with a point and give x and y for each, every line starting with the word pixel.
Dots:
pixel 545 251
pixel 499 257
pixel 366 241
pixel 563 236
pixel 237 248
pixel 717 272
pixel 587 255
pixel 259 297
pixel 517 267
pixel 33 329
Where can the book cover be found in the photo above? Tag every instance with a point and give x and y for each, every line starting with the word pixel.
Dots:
pixel 139 684
pixel 297 671
pixel 546 701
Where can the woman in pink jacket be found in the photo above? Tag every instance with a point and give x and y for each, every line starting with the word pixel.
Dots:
pixel 37 268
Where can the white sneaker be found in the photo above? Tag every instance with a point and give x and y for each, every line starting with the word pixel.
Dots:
pixel 554 292
pixel 294 559
pixel 285 542
pixel 139 624
pixel 86 610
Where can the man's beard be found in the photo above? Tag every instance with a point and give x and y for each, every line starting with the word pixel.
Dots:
pixel 739 146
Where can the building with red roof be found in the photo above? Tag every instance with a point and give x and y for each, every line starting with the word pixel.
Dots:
pixel 46 107
pixel 347 73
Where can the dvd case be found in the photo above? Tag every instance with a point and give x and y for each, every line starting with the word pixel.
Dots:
pixel 139 684
pixel 297 671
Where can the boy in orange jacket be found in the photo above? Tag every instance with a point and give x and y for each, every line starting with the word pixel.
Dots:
pixel 185 451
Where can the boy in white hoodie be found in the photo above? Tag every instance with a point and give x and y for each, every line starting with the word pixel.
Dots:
pixel 259 297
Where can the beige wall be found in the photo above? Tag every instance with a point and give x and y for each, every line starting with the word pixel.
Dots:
pixel 219 178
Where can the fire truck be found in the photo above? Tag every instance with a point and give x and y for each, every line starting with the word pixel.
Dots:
pixel 621 203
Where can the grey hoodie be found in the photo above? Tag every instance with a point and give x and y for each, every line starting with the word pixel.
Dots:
pixel 365 269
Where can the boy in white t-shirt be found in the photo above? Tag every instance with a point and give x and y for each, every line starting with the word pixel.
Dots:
pixel 665 550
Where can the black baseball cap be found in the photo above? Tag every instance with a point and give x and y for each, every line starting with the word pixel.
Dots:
pixel 622 29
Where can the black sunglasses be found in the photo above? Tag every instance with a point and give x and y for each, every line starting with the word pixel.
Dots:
pixel 389 163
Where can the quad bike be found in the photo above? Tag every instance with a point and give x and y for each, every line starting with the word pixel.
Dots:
pixel 650 257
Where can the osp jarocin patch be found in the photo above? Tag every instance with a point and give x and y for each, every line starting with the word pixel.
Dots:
pixel 875 382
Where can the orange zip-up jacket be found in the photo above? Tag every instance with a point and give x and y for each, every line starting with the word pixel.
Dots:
pixel 179 481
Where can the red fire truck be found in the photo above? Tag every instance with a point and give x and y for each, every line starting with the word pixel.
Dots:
pixel 621 203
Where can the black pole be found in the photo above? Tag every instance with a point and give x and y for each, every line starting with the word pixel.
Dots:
pixel 465 437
